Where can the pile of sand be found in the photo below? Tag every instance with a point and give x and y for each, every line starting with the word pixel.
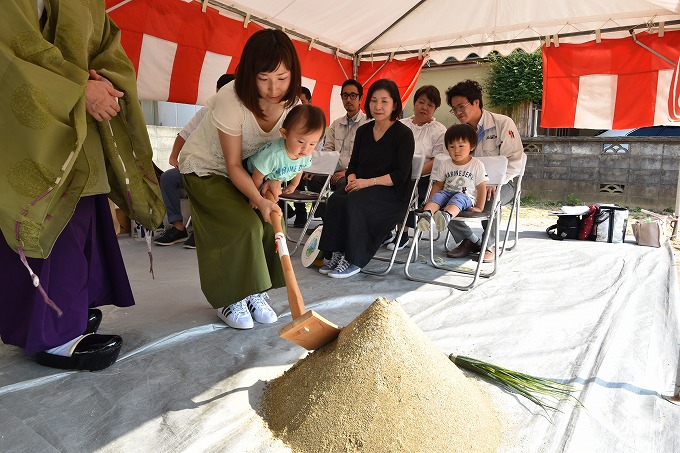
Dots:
pixel 383 386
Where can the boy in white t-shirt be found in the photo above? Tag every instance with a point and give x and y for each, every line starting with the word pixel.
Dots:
pixel 459 183
pixel 285 158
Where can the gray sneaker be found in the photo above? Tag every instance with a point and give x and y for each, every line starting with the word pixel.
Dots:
pixel 424 221
pixel 441 219
pixel 332 264
pixel 344 269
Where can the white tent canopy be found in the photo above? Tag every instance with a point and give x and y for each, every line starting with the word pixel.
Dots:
pixel 366 34
pixel 451 28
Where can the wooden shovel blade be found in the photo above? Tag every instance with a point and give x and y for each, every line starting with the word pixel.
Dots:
pixel 311 331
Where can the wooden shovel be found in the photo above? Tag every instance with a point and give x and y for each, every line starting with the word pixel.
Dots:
pixel 308 328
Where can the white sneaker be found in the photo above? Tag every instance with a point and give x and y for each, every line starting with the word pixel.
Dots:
pixel 332 264
pixel 344 269
pixel 236 315
pixel 260 309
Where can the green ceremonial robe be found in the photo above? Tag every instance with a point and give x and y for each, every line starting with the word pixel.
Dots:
pixel 52 152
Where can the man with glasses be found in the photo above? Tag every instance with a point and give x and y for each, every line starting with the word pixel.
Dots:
pixel 497 135
pixel 340 136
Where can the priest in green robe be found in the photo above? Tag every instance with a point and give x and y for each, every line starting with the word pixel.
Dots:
pixel 71 134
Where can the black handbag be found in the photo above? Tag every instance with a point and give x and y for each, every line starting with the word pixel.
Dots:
pixel 565 228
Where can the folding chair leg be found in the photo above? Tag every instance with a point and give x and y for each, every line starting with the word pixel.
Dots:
pixel 393 256
pixel 514 215
pixel 475 275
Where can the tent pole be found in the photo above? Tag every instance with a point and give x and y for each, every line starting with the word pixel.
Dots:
pixel 677 213
pixel 269 24
pixel 667 60
pixel 391 26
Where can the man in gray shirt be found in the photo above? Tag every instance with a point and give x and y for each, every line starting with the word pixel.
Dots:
pixel 340 137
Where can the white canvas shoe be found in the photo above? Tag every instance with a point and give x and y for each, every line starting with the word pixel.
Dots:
pixel 236 315
pixel 260 309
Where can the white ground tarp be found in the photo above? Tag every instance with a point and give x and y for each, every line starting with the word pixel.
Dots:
pixel 603 317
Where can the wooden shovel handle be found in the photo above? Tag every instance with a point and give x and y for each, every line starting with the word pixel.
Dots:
pixel 297 305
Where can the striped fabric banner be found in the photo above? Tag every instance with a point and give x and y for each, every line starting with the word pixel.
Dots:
pixel 180 51
pixel 674 98
pixel 614 84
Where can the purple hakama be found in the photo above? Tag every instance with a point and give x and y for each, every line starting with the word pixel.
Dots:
pixel 85 269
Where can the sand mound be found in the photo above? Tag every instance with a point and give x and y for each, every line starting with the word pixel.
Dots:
pixel 382 386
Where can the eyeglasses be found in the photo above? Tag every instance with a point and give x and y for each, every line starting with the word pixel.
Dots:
pixel 458 108
pixel 351 96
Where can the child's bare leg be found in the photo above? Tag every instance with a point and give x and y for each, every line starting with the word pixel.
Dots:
pixel 453 210
pixel 431 206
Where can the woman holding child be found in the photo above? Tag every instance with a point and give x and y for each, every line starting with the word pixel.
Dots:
pixel 359 217
pixel 237 260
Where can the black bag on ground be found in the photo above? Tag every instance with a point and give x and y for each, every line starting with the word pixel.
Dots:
pixel 610 224
pixel 565 228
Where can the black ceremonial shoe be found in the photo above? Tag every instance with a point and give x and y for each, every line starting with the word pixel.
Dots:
pixel 93 352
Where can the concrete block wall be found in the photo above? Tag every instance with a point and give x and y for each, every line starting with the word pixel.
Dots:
pixel 162 138
pixel 645 175
pixel 636 172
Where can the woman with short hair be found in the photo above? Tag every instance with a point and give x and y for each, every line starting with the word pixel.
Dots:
pixel 359 217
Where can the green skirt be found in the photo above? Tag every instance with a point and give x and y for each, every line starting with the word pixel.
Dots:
pixel 234 245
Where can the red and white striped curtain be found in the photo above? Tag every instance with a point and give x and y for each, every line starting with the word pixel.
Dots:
pixel 614 84
pixel 179 52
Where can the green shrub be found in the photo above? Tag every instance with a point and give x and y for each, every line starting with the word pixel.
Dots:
pixel 515 79
pixel 572 200
pixel 529 200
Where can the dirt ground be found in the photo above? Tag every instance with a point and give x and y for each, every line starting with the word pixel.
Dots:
pixel 539 216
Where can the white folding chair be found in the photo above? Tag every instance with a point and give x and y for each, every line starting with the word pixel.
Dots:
pixel 324 163
pixel 514 210
pixel 416 169
pixel 496 168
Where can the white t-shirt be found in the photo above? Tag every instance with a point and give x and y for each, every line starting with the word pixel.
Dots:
pixel 202 153
pixel 429 137
pixel 461 178
pixel 193 123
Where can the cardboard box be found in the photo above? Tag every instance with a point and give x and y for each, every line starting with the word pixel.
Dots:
pixel 121 222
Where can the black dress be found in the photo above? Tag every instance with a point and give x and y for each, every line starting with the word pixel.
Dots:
pixel 356 223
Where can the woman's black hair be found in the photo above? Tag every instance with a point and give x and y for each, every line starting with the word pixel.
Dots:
pixel 431 92
pixel 389 86
pixel 469 89
pixel 264 51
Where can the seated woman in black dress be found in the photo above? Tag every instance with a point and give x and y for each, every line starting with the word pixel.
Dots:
pixel 376 196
